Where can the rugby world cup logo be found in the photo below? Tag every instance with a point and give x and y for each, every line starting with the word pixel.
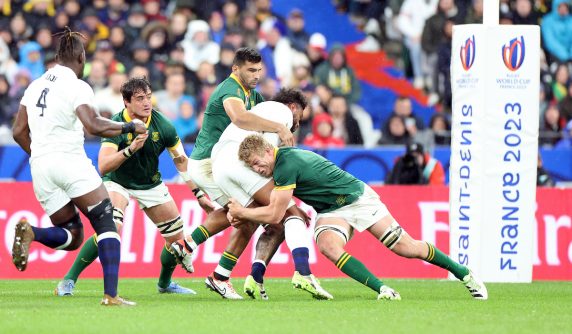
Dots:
pixel 513 53
pixel 468 53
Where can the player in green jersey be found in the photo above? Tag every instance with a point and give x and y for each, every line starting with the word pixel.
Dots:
pixel 229 104
pixel 130 168
pixel 343 204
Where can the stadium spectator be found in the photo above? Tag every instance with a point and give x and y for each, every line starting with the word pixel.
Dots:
pixel 555 29
pixel 97 75
pixel 249 29
pixel 21 81
pixel 31 59
pixel 6 113
pixel 216 23
pixel 565 105
pixel 121 46
pixel 475 12
pixel 109 100
pixel 440 128
pixel 410 23
pixel 316 51
pixel 186 122
pixel 297 36
pixel 20 30
pixel 276 51
pixel 92 28
pixel 136 21
pixel 524 12
pixel 152 9
pixel 338 75
pixel 8 67
pixel 416 167
pixel 395 132
pixel 115 13
pixel 551 127
pixel 322 133
pixel 159 39
pixel 141 56
pixel 403 107
pixel 224 67
pixel 566 141
pixel 345 125
pixel 178 26
pixel 267 87
pixel 432 37
pixel 169 99
pixel 543 178
pixel 39 13
pixel 444 67
pixel 43 37
pixel 560 81
pixel 198 46
pixel 105 52
pixel 231 13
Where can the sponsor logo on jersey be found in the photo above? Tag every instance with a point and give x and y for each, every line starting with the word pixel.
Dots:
pixel 155 136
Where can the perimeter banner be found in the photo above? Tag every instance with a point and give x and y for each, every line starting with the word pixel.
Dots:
pixel 495 83
pixel 422 211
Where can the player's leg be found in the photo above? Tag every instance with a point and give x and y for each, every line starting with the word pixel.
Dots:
pixel 89 251
pixel 96 206
pixel 331 235
pixel 394 237
pixel 169 223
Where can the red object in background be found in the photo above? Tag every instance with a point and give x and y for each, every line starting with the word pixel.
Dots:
pixel 422 211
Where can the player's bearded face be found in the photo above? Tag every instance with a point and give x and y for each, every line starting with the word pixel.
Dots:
pixel 262 164
pixel 249 74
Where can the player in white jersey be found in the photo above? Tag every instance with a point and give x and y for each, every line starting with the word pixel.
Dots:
pixel 238 181
pixel 49 127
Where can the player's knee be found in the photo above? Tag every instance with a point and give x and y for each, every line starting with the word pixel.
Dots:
pixel 170 228
pixel 392 236
pixel 101 217
pixel 331 240
pixel 274 231
pixel 75 229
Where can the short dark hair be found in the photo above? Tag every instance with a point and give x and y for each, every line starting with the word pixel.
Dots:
pixel 70 45
pixel 133 86
pixel 290 95
pixel 245 54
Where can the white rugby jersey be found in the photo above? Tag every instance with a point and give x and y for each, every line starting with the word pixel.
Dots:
pixel 51 101
pixel 270 110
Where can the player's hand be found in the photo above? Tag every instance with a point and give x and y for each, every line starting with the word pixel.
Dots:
pixel 140 127
pixel 206 204
pixel 286 137
pixel 233 210
pixel 138 142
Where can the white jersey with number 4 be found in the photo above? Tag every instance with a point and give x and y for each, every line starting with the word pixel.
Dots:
pixel 51 101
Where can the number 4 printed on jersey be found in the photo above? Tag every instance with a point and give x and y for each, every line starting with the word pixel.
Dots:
pixel 42 101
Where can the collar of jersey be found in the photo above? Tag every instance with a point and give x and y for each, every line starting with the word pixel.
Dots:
pixel 128 119
pixel 235 78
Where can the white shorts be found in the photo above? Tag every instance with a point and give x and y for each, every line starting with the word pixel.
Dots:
pixel 146 198
pixel 202 175
pixel 59 177
pixel 361 214
pixel 233 177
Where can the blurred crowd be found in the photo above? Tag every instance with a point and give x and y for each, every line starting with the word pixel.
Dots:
pixel 186 48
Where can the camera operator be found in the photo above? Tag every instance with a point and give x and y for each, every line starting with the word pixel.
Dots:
pixel 416 167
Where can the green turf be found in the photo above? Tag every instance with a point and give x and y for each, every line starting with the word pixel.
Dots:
pixel 428 306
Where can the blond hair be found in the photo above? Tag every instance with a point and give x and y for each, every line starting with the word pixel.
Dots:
pixel 253 144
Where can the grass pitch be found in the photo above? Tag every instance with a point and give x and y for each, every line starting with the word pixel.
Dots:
pixel 428 306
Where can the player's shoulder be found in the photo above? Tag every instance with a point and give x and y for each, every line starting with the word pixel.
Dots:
pixel 160 119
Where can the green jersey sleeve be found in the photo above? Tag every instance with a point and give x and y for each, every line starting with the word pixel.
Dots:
pixel 285 175
pixel 171 136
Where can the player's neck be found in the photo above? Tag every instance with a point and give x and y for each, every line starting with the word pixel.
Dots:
pixel 132 116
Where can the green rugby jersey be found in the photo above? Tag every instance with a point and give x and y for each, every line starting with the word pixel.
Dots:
pixel 315 180
pixel 141 170
pixel 215 118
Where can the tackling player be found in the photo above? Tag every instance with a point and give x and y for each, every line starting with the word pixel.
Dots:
pixel 343 203
pixel 130 168
pixel 49 127
pixel 229 104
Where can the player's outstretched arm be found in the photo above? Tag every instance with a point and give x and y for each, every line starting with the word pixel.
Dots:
pixel 270 214
pixel 21 130
pixel 100 126
pixel 235 109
